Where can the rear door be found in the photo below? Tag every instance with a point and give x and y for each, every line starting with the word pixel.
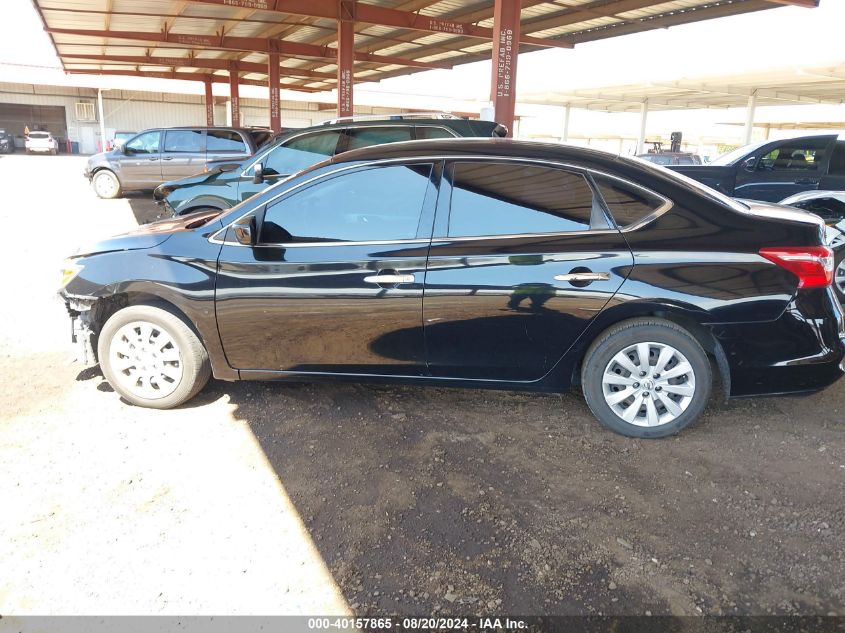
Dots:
pixel 225 144
pixel 785 168
pixel 523 257
pixel 288 158
pixel 335 283
pixel 139 164
pixel 183 154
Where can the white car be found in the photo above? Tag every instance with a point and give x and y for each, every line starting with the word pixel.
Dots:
pixel 41 142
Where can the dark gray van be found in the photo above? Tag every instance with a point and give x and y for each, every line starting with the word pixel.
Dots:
pixel 155 156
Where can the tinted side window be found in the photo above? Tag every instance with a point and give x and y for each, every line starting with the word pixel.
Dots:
pixel 301 152
pixel 183 141
pixel 837 160
pixel 425 132
pixel 382 203
pixel 798 154
pixel 366 136
pixel 627 205
pixel 225 141
pixel 146 143
pixel 510 199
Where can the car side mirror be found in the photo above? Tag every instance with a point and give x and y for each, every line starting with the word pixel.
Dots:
pixel 245 231
pixel 749 163
pixel 258 173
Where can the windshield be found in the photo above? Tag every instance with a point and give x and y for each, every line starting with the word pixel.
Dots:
pixel 736 154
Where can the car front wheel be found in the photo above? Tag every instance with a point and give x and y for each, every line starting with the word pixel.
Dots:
pixel 151 357
pixel 106 184
pixel 646 378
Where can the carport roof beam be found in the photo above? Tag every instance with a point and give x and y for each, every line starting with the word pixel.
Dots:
pixel 247 45
pixel 186 76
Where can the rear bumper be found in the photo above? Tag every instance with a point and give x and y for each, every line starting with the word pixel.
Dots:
pixel 802 351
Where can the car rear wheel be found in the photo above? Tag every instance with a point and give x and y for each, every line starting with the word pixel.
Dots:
pixel 106 184
pixel 646 378
pixel 152 358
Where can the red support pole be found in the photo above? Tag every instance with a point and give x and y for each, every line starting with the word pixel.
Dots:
pixel 505 52
pixel 345 58
pixel 275 99
pixel 209 104
pixel 234 98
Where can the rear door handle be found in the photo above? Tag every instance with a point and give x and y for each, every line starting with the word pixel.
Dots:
pixel 387 280
pixel 167 158
pixel 583 277
pixel 807 181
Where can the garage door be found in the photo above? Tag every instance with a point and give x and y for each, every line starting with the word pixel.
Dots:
pixel 15 116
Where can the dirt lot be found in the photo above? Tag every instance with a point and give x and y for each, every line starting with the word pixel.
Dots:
pixel 263 498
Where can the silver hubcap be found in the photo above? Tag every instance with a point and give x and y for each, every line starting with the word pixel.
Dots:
pixel 648 384
pixel 104 184
pixel 146 360
pixel 839 277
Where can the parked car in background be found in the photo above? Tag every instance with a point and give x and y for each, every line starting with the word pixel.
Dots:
pixel 542 266
pixel 672 158
pixel 41 142
pixel 773 170
pixel 119 139
pixel 153 156
pixel 7 142
pixel 227 182
pixel 830 207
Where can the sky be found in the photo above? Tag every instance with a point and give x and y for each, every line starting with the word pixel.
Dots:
pixel 744 43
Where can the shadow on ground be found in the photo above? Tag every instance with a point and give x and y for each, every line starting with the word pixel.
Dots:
pixel 429 500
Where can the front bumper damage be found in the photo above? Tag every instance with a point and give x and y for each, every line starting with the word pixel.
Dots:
pixel 81 328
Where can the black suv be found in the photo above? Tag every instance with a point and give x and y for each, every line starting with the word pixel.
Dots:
pixel 227 183
pixel 153 156
pixel 475 263
pixel 7 142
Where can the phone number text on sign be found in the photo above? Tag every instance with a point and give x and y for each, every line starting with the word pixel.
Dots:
pixel 503 74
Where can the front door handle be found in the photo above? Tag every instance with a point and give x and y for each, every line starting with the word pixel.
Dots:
pixel 586 276
pixel 152 160
pixel 389 279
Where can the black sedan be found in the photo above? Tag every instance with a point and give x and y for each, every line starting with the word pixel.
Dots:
pixel 487 263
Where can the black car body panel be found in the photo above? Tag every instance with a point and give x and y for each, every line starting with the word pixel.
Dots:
pixel 773 170
pixel 483 311
pixel 226 183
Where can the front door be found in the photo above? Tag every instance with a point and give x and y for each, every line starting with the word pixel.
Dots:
pixel 522 259
pixel 335 283
pixel 785 168
pixel 140 161
pixel 183 154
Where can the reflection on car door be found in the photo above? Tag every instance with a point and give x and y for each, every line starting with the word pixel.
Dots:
pixel 183 154
pixel 785 168
pixel 283 160
pixel 335 284
pixel 140 162
pixel 522 259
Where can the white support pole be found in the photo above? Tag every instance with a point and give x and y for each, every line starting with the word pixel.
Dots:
pixel 643 121
pixel 566 113
pixel 749 117
pixel 102 120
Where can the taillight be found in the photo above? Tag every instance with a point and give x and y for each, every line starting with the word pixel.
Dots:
pixel 813 265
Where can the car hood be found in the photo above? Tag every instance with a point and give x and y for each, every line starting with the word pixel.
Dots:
pixel 148 236
pixel 814 195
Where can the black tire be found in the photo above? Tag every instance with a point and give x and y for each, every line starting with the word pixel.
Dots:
pixel 623 335
pixel 110 187
pixel 193 359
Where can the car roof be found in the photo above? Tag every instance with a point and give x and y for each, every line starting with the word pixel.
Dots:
pixel 492 147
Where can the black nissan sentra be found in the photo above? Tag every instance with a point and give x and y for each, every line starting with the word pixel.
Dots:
pixel 488 263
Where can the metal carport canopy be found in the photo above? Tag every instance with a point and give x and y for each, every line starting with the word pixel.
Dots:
pixel 319 45
pixel 806 85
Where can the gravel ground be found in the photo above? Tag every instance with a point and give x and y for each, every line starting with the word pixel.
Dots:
pixel 264 498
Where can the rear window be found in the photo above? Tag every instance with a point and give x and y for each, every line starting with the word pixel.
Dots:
pixel 225 141
pixel 367 136
pixel 39 135
pixel 627 205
